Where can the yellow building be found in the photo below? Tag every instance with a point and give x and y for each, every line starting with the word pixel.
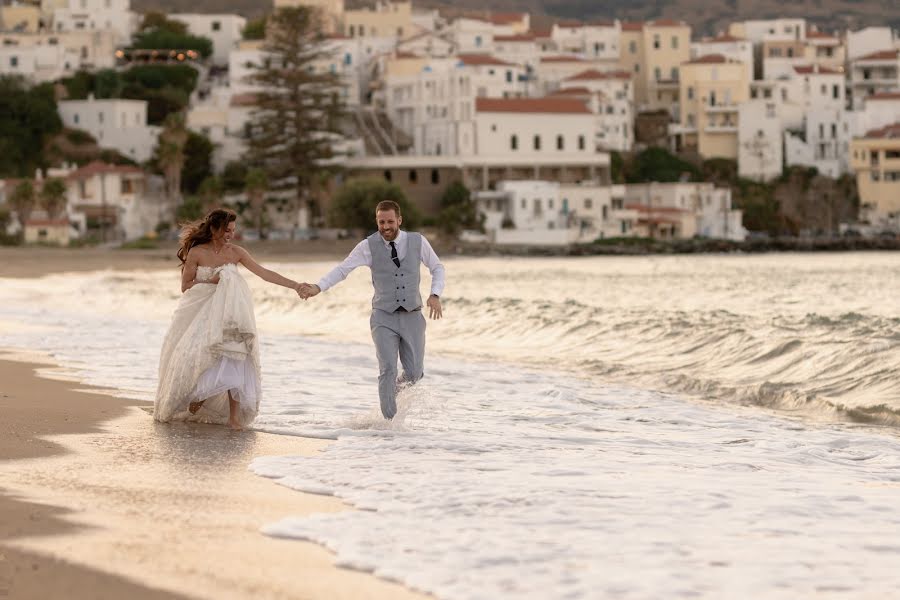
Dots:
pixel 390 19
pixel 875 158
pixel 22 18
pixel 711 88
pixel 653 53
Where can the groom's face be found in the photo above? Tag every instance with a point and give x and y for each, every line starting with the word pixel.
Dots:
pixel 388 224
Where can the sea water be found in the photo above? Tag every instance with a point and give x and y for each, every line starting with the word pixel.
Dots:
pixel 703 426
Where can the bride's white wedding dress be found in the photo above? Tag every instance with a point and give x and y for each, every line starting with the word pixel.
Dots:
pixel 211 347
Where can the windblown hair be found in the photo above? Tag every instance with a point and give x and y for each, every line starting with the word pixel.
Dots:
pixel 201 232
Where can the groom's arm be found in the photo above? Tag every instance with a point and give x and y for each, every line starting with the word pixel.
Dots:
pixel 360 256
pixel 430 259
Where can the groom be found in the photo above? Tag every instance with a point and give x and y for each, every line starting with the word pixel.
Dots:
pixel 398 327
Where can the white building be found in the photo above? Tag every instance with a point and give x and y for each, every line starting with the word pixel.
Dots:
pixel 547 213
pixel 114 123
pixel 869 40
pixel 874 73
pixel 598 41
pixel 96 15
pixel 878 111
pixel 39 63
pixel 684 210
pixel 760 145
pixel 225 31
pixel 610 95
pixel 552 70
pixel 729 46
pixel 766 30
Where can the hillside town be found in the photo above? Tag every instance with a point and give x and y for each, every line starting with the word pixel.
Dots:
pixel 534 123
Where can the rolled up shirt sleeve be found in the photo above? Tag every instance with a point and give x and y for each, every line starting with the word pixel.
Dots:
pixel 430 259
pixel 360 256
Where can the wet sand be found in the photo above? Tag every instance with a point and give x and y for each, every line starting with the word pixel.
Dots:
pixel 99 501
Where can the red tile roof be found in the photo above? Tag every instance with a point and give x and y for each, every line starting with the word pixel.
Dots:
pixel 884 96
pixel 556 59
pixel 47 222
pixel 477 60
pixel 507 18
pixel 404 54
pixel 722 39
pixel 820 35
pixel 888 132
pixel 646 208
pixel 632 26
pixel 709 59
pixel 881 55
pixel 572 91
pixel 532 105
pixel 816 70
pixel 97 167
pixel 594 74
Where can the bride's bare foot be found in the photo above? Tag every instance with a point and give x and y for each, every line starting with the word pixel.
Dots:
pixel 193 407
pixel 235 426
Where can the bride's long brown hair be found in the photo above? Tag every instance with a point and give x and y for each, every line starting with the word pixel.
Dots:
pixel 201 232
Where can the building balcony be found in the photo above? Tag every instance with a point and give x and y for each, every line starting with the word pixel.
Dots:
pixel 885 81
pixel 679 128
pixel 727 128
pixel 665 84
pixel 730 107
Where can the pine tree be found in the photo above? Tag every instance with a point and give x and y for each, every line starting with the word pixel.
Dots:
pixel 296 122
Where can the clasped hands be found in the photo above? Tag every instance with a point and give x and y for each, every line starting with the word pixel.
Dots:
pixel 307 290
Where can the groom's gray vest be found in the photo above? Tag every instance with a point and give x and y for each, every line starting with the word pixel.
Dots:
pixel 396 286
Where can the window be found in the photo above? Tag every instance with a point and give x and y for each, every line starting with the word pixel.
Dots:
pixel 790 52
pixel 835 91
pixel 413 176
pixel 581 142
pixel 823 89
pixel 75 118
pixel 560 143
pixel 674 42
pixel 637 68
pixel 127 186
pixel 352 30
pixel 524 203
pixel 478 41
pixel 550 203
pixel 537 142
pixel 435 176
pixel 657 73
pixel 632 47
pixel 605 212
pixel 216 26
pixel 399 32
pixel 348 58
pixel 14 61
pixel 673 74
pixel 509 77
pixel 514 142
pixel 588 204
pixel 537 206
pixel 833 130
pixel 388 176
pixel 100 117
pixel 656 41
pixel 690 93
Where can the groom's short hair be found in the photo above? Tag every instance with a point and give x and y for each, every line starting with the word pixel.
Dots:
pixel 388 205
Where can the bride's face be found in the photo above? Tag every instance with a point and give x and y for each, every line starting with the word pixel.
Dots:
pixel 227 234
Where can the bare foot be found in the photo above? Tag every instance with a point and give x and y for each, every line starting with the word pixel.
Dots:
pixel 193 407
pixel 235 426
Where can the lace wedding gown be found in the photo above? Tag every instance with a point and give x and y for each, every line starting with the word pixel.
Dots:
pixel 211 347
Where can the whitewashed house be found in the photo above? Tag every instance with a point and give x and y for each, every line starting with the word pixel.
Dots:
pixel 684 210
pixel 760 142
pixel 729 46
pixel 610 95
pixel 115 123
pixel 224 30
pixel 874 73
pixel 96 15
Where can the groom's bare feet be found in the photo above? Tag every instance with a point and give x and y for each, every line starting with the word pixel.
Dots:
pixel 193 407
pixel 235 426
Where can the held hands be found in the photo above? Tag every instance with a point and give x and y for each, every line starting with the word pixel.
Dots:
pixel 307 290
pixel 434 307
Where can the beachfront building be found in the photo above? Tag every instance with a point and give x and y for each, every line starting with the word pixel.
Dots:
pixel 39 63
pixel 224 30
pixel 733 48
pixel 712 88
pixel 46 55
pixel 875 158
pixel 760 147
pixel 878 110
pixel 874 73
pixel 868 40
pixel 548 213
pixel 653 53
pixel 115 123
pixel 684 210
pixel 610 96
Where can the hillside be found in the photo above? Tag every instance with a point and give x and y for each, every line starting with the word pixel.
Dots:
pixel 706 16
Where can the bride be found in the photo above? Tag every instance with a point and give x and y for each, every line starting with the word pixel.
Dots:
pixel 209 364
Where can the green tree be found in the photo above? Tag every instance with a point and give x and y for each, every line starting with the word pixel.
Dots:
pixel 657 164
pixel 296 122
pixel 170 157
pixel 234 175
pixel 256 186
pixel 458 211
pixel 255 29
pixel 189 210
pixel 166 88
pixel 354 204
pixel 53 196
pixel 198 150
pixel 22 200
pixel 28 119
pixel 108 84
pixel 210 192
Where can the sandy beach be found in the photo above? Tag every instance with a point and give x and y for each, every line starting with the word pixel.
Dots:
pixel 98 501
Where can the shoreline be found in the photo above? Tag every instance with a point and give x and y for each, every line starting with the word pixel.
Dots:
pixel 99 501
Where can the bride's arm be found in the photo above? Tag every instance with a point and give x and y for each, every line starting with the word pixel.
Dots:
pixel 264 273
pixel 189 271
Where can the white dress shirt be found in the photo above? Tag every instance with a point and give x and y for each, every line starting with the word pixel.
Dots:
pixel 361 256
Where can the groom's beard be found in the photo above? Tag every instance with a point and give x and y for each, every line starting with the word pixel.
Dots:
pixel 389 234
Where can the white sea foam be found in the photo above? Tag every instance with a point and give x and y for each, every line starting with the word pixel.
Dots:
pixel 517 469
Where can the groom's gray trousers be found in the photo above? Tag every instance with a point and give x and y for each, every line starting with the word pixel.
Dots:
pixel 396 334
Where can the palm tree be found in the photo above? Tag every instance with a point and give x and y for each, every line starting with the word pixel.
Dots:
pixel 170 153
pixel 22 200
pixel 210 192
pixel 53 197
pixel 256 184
